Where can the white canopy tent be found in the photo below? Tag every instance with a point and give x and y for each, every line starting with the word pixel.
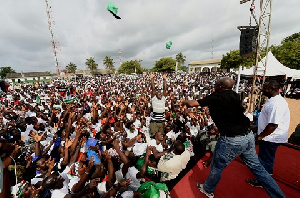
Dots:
pixel 274 68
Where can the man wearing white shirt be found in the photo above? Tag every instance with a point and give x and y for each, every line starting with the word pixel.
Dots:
pixel 273 126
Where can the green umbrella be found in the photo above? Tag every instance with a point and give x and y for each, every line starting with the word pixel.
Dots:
pixel 168 44
pixel 112 8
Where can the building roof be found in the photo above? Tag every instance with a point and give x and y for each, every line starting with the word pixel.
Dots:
pixel 97 72
pixel 27 74
pixel 36 74
pixel 13 75
pixel 103 71
pixel 205 62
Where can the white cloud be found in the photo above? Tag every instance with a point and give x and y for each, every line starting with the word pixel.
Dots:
pixel 86 29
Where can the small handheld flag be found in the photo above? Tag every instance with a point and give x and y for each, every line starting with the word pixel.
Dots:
pixel 113 9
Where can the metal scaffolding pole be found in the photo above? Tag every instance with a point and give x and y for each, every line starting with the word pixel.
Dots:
pixel 264 29
pixel 54 43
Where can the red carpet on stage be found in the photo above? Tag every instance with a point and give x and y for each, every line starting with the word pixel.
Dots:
pixel 233 184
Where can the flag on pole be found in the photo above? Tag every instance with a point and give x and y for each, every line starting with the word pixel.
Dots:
pixel 68 95
pixel 37 99
pixel 73 99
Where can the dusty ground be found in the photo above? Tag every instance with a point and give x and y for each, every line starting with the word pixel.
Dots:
pixel 294 106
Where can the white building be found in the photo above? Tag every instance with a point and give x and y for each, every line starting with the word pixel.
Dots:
pixel 28 77
pixel 211 65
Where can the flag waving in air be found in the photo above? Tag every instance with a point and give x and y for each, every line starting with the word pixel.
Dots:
pixel 37 99
pixel 113 9
pixel 69 98
pixel 168 44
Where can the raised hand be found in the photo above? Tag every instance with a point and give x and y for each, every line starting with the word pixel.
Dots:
pixel 37 137
pixel 69 143
pixel 164 76
pixel 91 164
pixel 152 75
pixel 16 149
pixel 122 106
pixel 107 155
pixel 125 183
pixel 132 109
pixel 50 163
pixel 72 114
pixel 55 126
pixel 28 158
pixel 82 141
pixel 94 183
pixel 35 191
pixel 116 144
pixel 138 137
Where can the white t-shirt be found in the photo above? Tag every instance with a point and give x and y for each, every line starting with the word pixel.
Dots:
pixel 135 182
pixel 64 190
pixel 158 105
pixel 172 135
pixel 249 115
pixel 158 147
pixel 130 134
pixel 276 111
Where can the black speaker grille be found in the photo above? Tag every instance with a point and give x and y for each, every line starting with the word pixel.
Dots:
pixel 248 41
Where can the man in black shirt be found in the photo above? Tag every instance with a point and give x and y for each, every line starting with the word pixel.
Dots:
pixel 236 139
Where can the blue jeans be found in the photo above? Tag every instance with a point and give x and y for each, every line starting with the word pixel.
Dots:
pixel 227 149
pixel 267 151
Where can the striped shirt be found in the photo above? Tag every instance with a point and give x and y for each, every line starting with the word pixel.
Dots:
pixel 158 108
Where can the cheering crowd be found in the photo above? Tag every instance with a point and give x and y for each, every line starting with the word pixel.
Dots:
pixel 109 136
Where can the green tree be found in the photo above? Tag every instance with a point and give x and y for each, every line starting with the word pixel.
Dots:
pixel 180 58
pixel 6 70
pixel 129 67
pixel 292 38
pixel 184 68
pixel 233 59
pixel 166 64
pixel 288 53
pixel 91 64
pixel 109 63
pixel 71 67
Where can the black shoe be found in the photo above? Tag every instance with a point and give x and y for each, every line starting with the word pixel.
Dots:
pixel 254 182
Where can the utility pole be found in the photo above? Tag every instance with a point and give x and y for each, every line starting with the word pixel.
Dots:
pixel 212 49
pixel 120 57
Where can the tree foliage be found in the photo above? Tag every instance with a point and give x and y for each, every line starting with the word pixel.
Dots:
pixel 184 68
pixel 166 64
pixel 71 67
pixel 91 64
pixel 108 62
pixel 132 66
pixel 288 53
pixel 294 37
pixel 6 70
pixel 180 58
pixel 233 59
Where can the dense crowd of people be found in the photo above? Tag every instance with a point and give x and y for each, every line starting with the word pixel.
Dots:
pixel 122 136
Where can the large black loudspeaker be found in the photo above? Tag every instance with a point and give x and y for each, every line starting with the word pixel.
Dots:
pixel 248 41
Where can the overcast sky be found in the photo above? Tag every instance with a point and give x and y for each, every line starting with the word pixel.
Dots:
pixel 84 28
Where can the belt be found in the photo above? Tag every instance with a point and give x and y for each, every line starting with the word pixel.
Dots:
pixel 157 121
pixel 242 134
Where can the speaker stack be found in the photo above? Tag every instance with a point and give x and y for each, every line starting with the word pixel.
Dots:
pixel 248 40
